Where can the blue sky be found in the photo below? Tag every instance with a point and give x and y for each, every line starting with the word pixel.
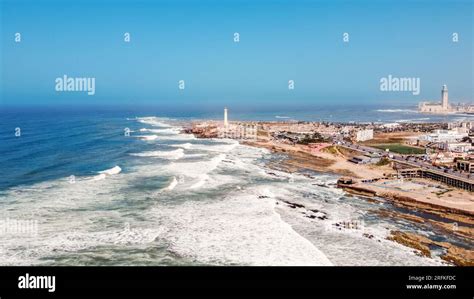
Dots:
pixel 193 41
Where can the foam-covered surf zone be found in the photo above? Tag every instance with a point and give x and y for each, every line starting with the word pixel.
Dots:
pixel 171 202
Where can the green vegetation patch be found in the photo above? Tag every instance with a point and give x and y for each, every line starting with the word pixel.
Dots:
pixel 382 162
pixel 315 138
pixel 330 149
pixel 400 148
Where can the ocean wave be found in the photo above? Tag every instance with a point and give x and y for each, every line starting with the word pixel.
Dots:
pixel 114 170
pixel 173 155
pixel 147 137
pixel 202 180
pixel 153 121
pixel 222 148
pixel 104 173
pixel 171 131
pixel 242 229
pixel 195 169
pixel 195 155
pixel 396 110
pixel 178 137
pixel 172 185
pixel 412 120
pixel 183 145
pixel 245 227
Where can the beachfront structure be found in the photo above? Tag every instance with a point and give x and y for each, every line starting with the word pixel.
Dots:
pixel 364 135
pixel 446 178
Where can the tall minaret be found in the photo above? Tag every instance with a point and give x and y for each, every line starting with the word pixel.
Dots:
pixel 225 118
pixel 444 97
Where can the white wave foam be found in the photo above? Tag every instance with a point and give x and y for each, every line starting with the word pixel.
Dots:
pixel 412 120
pixel 153 121
pixel 196 169
pixel 234 227
pixel 182 145
pixel 98 177
pixel 114 170
pixel 222 148
pixel 168 131
pixel 396 110
pixel 242 229
pixel 147 137
pixel 173 155
pixel 172 185
pixel 104 173
pixel 202 180
pixel 195 155
pixel 38 250
pixel 178 137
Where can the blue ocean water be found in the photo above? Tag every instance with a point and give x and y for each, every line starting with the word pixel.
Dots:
pixel 160 197
pixel 58 142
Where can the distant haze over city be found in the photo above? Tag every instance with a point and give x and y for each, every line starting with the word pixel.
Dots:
pixel 241 54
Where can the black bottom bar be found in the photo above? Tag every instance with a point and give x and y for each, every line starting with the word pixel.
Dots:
pixel 248 282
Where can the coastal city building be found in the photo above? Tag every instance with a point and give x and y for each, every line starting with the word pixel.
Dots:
pixel 465 165
pixel 238 131
pixel 454 135
pixel 444 107
pixel 364 135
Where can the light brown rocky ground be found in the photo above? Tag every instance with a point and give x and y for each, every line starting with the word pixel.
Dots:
pixel 300 156
pixel 423 191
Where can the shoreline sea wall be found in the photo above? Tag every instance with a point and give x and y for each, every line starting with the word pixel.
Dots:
pixel 408 201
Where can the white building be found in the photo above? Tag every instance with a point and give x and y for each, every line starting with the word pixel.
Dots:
pixel 238 131
pixel 363 135
pixel 457 147
pixel 444 136
pixel 390 125
pixel 466 125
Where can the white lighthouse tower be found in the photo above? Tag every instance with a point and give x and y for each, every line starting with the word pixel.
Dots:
pixel 444 97
pixel 226 124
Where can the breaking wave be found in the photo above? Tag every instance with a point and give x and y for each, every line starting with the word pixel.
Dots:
pixel 147 137
pixel 396 110
pixel 168 131
pixel 174 155
pixel 183 145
